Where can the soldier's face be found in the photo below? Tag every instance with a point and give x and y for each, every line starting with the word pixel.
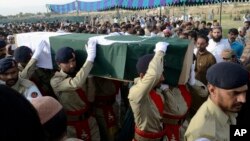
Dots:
pixel 230 100
pixel 69 67
pixel 10 77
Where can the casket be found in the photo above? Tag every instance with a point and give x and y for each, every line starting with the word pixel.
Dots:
pixel 117 54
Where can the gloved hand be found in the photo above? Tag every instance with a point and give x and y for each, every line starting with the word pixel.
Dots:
pixel 161 46
pixel 91 49
pixel 191 80
pixel 39 50
pixel 164 87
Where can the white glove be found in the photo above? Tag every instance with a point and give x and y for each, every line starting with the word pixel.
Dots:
pixel 191 80
pixel 164 87
pixel 39 50
pixel 91 49
pixel 161 46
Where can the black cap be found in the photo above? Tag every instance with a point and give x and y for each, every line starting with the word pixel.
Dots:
pixel 2 43
pixel 64 54
pixel 227 75
pixel 5 64
pixel 143 62
pixel 22 54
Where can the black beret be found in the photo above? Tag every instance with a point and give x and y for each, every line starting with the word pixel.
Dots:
pixel 143 62
pixel 2 43
pixel 22 54
pixel 64 54
pixel 6 63
pixel 227 75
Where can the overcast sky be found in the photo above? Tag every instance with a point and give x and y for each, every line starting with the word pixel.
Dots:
pixel 10 7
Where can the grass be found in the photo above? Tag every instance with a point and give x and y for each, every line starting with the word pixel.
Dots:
pixel 228 23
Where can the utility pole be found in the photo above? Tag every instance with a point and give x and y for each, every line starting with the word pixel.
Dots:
pixel 77 8
pixel 220 10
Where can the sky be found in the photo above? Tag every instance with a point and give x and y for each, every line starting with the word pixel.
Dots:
pixel 12 7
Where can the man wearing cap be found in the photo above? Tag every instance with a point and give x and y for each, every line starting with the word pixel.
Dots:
pixel 52 117
pixel 241 37
pixel 9 76
pixel 105 91
pixel 72 92
pixel 228 55
pixel 227 85
pixel 27 62
pixel 217 44
pixel 146 103
pixel 2 49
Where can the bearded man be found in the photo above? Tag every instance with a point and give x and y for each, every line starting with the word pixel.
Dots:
pixel 217 44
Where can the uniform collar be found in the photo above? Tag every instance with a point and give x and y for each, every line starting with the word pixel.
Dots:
pixel 222 117
pixel 63 73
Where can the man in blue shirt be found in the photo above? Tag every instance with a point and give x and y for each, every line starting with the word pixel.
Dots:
pixel 236 46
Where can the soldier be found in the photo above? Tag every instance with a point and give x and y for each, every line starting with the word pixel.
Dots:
pixel 27 62
pixel 227 84
pixel 105 96
pixel 176 107
pixel 146 103
pixel 9 76
pixel 69 89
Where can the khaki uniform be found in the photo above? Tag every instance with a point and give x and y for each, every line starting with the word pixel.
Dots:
pixel 105 91
pixel 76 104
pixel 178 100
pixel 27 88
pixel 177 104
pixel 148 119
pixel 210 122
pixel 41 77
pixel 30 68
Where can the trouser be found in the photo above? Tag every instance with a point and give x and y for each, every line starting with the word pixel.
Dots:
pixel 85 129
pixel 107 122
pixel 148 136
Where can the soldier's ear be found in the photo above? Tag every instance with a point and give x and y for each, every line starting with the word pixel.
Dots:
pixel 58 64
pixel 211 89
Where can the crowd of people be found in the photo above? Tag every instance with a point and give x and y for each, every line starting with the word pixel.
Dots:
pixel 69 104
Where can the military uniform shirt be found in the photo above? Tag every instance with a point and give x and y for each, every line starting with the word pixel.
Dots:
pixel 26 87
pixel 146 114
pixel 29 69
pixel 210 122
pixel 65 87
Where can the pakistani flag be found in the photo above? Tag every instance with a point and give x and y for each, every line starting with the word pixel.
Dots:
pixel 116 55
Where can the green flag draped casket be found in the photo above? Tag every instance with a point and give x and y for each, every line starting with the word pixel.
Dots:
pixel 117 55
